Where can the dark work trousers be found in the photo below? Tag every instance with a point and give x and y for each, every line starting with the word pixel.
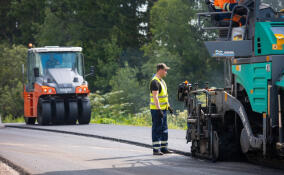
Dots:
pixel 159 131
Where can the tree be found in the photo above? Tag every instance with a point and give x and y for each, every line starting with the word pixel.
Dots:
pixel 20 20
pixel 134 91
pixel 177 42
pixel 108 31
pixel 11 87
pixel 51 31
pixel 7 25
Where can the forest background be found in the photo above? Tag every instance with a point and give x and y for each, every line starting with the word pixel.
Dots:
pixel 123 39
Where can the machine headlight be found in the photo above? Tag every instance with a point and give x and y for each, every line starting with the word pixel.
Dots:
pixel 48 90
pixel 82 89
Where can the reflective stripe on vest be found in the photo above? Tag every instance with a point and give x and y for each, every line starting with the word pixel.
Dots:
pixel 162 96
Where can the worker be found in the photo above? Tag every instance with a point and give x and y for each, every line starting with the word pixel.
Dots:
pixel 228 5
pixel 52 62
pixel 159 105
pixel 282 13
pixel 225 5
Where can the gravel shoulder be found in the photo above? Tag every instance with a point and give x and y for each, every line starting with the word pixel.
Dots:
pixel 7 170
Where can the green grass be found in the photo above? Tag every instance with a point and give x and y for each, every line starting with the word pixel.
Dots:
pixel 107 109
pixel 177 121
pixel 11 119
pixel 141 119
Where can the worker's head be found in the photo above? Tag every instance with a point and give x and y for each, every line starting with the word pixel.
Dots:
pixel 162 69
pixel 282 13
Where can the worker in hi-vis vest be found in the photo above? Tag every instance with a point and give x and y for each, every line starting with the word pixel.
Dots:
pixel 159 104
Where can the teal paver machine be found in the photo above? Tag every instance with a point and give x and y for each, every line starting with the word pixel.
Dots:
pixel 245 117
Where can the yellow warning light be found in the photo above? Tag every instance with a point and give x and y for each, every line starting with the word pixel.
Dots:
pixel 238 68
pixel 274 47
pixel 251 91
pixel 186 82
pixel 30 45
pixel 280 42
pixel 267 58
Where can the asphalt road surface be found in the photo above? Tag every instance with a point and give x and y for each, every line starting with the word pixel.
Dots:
pixel 132 133
pixel 41 152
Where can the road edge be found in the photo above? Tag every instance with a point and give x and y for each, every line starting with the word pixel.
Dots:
pixel 11 164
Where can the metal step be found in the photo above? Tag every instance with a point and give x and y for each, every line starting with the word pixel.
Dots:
pixel 214 115
pixel 215 28
pixel 191 120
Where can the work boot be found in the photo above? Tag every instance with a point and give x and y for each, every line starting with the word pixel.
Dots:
pixel 166 151
pixel 157 153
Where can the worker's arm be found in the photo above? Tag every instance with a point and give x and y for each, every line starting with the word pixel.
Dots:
pixel 156 99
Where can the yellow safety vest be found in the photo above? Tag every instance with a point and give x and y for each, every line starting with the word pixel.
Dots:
pixel 162 97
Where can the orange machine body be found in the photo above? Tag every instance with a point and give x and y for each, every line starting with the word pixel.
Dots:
pixel 31 98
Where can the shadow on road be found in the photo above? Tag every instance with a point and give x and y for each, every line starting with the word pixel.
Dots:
pixel 169 165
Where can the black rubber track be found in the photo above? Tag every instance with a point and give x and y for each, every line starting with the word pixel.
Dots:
pixel 71 113
pixel 44 113
pixel 59 117
pixel 84 112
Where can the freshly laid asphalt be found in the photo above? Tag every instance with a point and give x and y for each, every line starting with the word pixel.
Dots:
pixel 132 133
pixel 50 153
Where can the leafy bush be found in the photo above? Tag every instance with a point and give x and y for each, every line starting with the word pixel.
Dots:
pixel 11 87
pixel 10 119
pixel 108 109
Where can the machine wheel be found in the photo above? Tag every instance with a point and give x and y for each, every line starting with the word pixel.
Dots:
pixel 72 113
pixel 30 120
pixel 85 112
pixel 59 116
pixel 43 112
pixel 229 149
pixel 215 154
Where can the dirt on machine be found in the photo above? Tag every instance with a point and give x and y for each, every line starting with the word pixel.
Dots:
pixel 56 91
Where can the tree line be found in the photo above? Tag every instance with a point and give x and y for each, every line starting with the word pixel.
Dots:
pixel 123 39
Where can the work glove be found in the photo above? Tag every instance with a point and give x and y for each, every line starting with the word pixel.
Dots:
pixel 170 110
pixel 160 113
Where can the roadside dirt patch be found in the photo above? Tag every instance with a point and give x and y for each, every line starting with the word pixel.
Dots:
pixel 6 170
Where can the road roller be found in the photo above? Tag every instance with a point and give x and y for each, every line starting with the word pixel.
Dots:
pixel 56 92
